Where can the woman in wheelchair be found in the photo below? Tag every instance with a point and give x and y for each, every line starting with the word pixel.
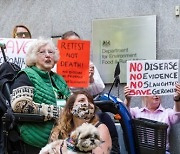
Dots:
pixel 36 90
pixel 153 109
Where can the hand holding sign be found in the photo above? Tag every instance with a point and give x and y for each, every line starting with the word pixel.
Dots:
pixel 127 91
pixel 91 73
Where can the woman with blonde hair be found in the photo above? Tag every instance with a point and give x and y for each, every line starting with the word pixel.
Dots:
pixel 21 31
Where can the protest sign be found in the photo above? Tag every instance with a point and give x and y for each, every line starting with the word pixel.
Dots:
pixel 15 50
pixel 74 62
pixel 152 77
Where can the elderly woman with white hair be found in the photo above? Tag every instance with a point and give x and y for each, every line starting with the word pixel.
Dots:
pixel 36 90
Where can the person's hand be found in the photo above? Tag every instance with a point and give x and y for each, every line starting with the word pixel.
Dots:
pixel 27 105
pixel 49 111
pixel 177 92
pixel 127 92
pixel 24 105
pixel 91 73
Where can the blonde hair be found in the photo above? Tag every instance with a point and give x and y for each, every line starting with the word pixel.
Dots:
pixel 15 30
pixel 31 55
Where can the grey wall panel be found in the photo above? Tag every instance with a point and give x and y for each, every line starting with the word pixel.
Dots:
pixel 54 17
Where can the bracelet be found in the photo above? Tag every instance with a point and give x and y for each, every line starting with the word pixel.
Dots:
pixel 176 98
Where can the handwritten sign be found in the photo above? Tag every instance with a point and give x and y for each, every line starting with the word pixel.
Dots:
pixel 152 77
pixel 15 50
pixel 74 62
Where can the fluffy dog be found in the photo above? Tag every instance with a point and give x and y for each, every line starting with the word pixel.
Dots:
pixel 82 140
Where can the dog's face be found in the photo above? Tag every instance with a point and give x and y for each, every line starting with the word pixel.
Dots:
pixel 86 137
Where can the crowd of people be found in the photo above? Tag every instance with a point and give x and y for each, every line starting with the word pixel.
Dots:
pixel 36 90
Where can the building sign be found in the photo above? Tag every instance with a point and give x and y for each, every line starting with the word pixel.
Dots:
pixel 119 40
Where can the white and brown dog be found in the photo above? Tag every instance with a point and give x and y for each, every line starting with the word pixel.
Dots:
pixel 82 140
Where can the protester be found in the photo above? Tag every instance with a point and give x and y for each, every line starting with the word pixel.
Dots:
pixel 21 31
pixel 79 109
pixel 96 84
pixel 36 90
pixel 153 109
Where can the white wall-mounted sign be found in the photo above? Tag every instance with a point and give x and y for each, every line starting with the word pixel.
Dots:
pixel 119 40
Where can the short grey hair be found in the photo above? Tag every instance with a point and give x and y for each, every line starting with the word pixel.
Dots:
pixel 31 55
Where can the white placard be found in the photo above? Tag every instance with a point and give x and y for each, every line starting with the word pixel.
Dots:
pixel 152 77
pixel 16 50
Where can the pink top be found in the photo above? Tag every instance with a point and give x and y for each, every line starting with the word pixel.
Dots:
pixel 168 116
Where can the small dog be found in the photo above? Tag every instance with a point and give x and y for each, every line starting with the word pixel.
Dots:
pixel 82 140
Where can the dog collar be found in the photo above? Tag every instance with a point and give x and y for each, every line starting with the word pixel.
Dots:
pixel 71 146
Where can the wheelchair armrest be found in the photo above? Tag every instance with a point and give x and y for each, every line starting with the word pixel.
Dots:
pixel 107 106
pixel 22 117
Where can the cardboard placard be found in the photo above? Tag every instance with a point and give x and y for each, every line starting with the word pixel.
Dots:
pixel 152 77
pixel 74 62
pixel 16 50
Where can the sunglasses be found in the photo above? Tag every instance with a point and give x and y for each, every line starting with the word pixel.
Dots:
pixel 23 35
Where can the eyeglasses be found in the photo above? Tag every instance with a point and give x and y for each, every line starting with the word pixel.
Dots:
pixel 44 52
pixel 23 35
